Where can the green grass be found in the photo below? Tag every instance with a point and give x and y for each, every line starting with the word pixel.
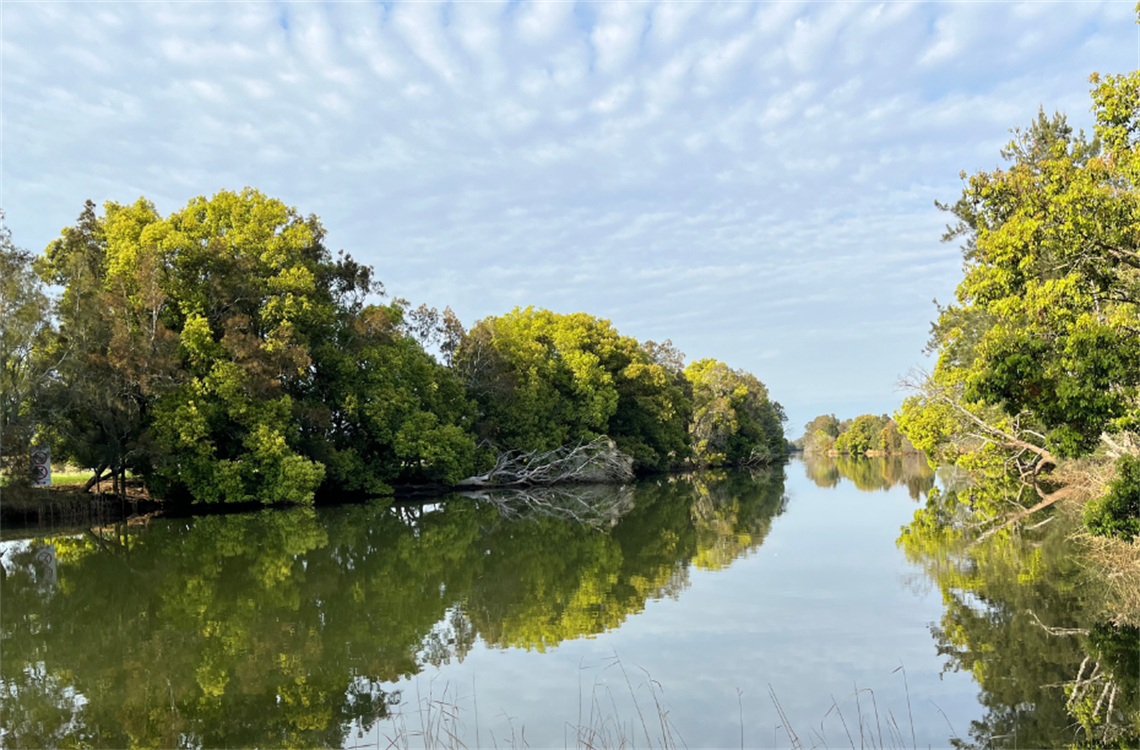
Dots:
pixel 70 477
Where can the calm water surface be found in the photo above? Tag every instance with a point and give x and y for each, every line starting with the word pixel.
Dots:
pixel 723 595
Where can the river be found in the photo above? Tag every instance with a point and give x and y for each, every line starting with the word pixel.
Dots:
pixel 730 609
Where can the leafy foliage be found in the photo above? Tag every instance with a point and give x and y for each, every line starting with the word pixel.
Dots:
pixel 1045 318
pixel 820 434
pixel 24 371
pixel 382 410
pixel 1038 357
pixel 96 408
pixel 734 422
pixel 1118 512
pixel 544 380
pixel 866 433
pixel 222 352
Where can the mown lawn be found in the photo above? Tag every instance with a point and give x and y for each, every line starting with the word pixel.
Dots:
pixel 70 477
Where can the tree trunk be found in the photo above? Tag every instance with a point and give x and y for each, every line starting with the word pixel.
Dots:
pixel 96 478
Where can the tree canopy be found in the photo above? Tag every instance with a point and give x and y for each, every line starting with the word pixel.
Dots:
pixel 867 433
pixel 224 354
pixel 24 372
pixel 544 379
pixel 734 421
pixel 1038 358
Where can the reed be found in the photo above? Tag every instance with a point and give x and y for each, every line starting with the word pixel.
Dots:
pixel 439 721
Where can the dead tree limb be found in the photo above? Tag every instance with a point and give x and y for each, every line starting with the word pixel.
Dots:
pixel 924 385
pixel 1047 499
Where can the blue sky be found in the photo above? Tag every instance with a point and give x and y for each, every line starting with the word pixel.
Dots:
pixel 754 181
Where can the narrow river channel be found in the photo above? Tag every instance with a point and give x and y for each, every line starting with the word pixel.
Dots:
pixel 720 610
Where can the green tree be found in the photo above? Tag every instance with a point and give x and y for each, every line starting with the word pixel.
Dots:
pixel 25 322
pixel 544 380
pixel 734 422
pixel 223 353
pixel 1117 513
pixel 1040 354
pixel 381 410
pixel 115 354
pixel 820 433
pixel 865 433
pixel 1045 322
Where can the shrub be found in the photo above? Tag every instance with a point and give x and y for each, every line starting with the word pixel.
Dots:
pixel 1117 514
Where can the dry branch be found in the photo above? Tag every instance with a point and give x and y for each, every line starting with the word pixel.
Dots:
pixel 924 384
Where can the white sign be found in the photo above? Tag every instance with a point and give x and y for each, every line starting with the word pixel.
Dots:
pixel 41 467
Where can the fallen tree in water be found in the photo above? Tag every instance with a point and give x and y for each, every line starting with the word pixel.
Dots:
pixel 596 462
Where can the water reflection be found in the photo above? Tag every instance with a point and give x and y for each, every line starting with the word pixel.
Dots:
pixel 871 473
pixel 280 628
pixel 1055 650
pixel 289 628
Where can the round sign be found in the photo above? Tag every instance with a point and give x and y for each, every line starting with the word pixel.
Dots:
pixel 39 473
pixel 39 457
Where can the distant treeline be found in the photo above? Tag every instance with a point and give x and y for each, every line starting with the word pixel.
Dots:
pixel 224 354
pixel 864 434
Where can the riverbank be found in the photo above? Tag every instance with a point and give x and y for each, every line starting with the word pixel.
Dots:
pixel 69 506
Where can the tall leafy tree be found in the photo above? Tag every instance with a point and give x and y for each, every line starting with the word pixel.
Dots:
pixel 1039 356
pixel 1045 323
pixel 381 410
pixel 867 432
pixel 543 380
pixel 115 353
pixel 224 353
pixel 734 422
pixel 25 323
pixel 820 433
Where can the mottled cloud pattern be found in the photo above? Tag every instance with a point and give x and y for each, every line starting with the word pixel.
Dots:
pixel 755 181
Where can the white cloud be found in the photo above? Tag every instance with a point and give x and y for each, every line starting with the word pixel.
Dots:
pixel 538 22
pixel 617 34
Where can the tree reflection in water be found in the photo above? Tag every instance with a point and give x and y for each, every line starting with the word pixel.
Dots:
pixel 281 628
pixel 871 473
pixel 1021 612
pixel 1024 615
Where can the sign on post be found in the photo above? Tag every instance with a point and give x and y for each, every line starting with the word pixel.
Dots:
pixel 41 467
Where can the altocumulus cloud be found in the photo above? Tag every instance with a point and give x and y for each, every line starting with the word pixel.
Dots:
pixel 754 180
